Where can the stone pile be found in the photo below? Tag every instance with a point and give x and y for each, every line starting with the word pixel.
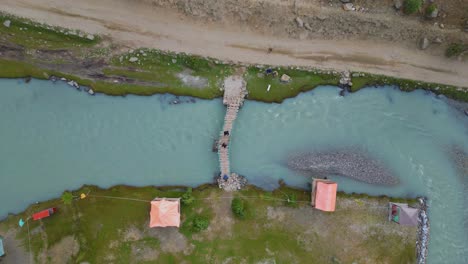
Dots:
pixel 231 183
pixel 347 162
pixel 423 232
pixel 345 80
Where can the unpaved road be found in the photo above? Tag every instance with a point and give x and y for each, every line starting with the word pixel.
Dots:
pixel 136 24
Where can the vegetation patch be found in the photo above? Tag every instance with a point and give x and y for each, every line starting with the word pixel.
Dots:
pixel 111 225
pixel 258 81
pixel 412 6
pixel 33 35
pixel 361 80
pixel 455 49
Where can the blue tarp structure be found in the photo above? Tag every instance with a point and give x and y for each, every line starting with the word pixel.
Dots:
pixel 2 251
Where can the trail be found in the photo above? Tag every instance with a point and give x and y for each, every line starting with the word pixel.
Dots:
pixel 136 24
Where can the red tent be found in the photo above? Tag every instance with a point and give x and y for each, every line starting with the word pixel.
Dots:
pixel 45 213
pixel 324 195
pixel 165 212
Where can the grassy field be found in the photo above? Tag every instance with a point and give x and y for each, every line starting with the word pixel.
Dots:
pixel 115 230
pixel 33 35
pixel 301 81
pixel 369 80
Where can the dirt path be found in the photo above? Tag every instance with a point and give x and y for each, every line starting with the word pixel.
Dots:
pixel 135 24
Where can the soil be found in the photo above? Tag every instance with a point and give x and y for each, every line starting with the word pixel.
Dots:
pixel 379 40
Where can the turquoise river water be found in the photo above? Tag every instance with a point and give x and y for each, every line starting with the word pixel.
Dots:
pixel 54 138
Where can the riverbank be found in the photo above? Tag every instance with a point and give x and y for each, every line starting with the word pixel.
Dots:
pixel 102 229
pixel 35 50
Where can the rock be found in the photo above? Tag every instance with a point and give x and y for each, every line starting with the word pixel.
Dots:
pixel 466 112
pixel 174 61
pixel 299 22
pixel 307 26
pixel 321 17
pixel 423 43
pixel 7 23
pixel 441 25
pixel 90 37
pixel 133 59
pixel 434 13
pixel 285 78
pixel 437 40
pixel 90 91
pixel 348 7
pixel 397 4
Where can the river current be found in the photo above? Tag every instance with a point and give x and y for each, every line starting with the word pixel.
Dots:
pixel 54 138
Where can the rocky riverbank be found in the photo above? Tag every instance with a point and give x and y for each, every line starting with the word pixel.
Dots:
pixel 348 162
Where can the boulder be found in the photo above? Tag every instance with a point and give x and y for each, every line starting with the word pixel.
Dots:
pixel 7 23
pixel 90 37
pixel 307 26
pixel 397 4
pixel 299 22
pixel 437 40
pixel 133 59
pixel 348 7
pixel 90 91
pixel 285 78
pixel 423 43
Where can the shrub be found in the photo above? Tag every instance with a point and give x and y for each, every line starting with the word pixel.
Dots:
pixel 411 6
pixel 67 197
pixel 238 207
pixel 200 223
pixel 187 198
pixel 292 200
pixel 431 8
pixel 454 49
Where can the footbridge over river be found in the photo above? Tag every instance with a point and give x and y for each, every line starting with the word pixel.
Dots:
pixel 234 94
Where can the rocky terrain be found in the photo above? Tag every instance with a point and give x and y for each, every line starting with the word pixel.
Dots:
pixel 345 19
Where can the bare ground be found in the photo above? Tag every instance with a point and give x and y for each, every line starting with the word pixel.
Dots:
pixel 376 41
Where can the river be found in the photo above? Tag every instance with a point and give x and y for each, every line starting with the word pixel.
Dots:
pixel 54 138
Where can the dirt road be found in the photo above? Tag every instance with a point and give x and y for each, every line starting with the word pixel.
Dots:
pixel 135 24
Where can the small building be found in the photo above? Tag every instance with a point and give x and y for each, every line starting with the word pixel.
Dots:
pixel 324 195
pixel 165 212
pixel 403 214
pixel 44 213
pixel 2 249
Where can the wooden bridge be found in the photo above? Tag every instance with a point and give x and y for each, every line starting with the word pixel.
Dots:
pixel 234 93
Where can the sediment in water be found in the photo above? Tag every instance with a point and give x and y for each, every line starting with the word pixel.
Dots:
pixel 353 163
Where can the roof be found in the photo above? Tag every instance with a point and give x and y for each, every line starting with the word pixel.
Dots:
pixel 165 212
pixel 325 196
pixel 2 251
pixel 405 215
pixel 44 213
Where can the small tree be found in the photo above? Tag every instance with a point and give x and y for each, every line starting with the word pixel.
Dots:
pixel 411 6
pixel 67 198
pixel 200 223
pixel 238 207
pixel 430 9
pixel 187 198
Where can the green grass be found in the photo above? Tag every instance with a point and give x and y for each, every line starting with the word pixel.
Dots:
pixel 34 35
pixel 257 84
pixel 99 226
pixel 160 70
pixel 408 85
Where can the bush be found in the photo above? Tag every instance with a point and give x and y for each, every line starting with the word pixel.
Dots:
pixel 411 6
pixel 238 207
pixel 187 198
pixel 454 49
pixel 292 200
pixel 200 223
pixel 67 197
pixel 431 8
